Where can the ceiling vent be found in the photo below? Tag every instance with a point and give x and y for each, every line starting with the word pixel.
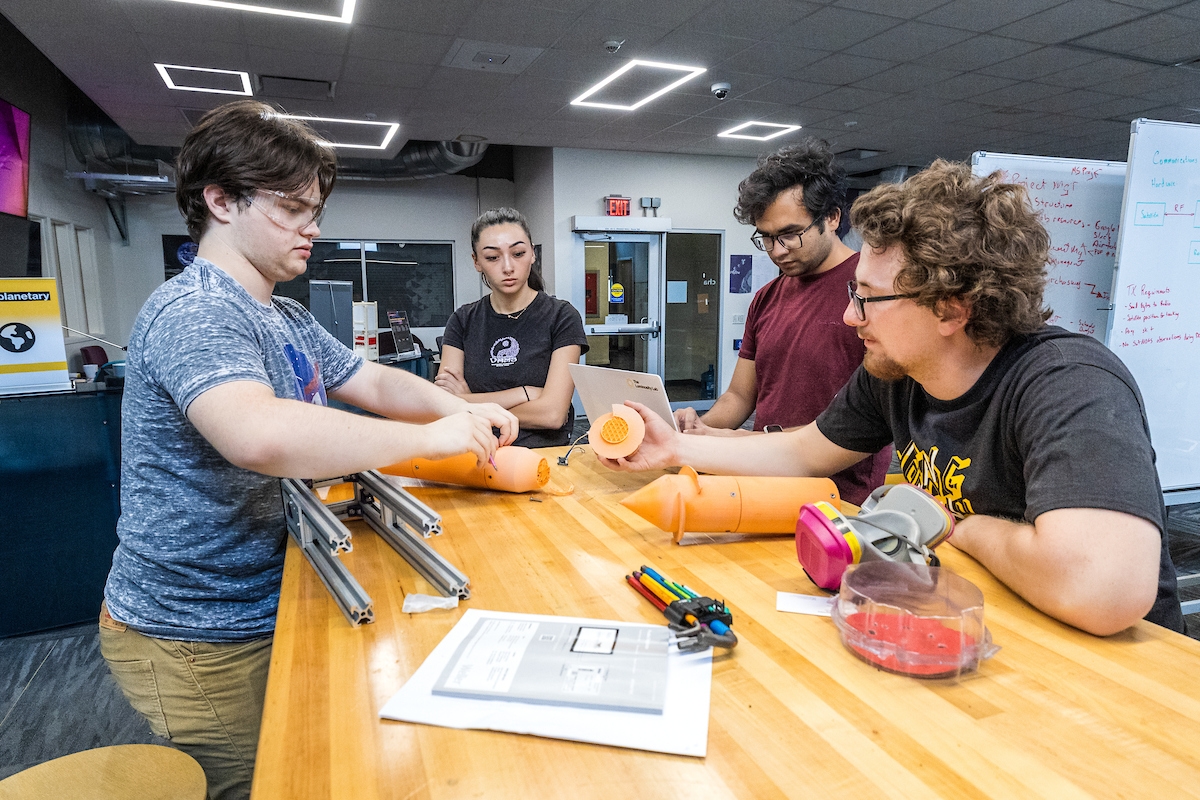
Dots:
pixel 490 56
pixel 295 88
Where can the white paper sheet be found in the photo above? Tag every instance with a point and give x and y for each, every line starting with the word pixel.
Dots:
pixel 764 271
pixel 804 604
pixel 682 728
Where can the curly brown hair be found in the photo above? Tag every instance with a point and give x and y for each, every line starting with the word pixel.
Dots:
pixel 243 146
pixel 961 236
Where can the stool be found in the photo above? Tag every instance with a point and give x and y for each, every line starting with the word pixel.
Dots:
pixel 123 772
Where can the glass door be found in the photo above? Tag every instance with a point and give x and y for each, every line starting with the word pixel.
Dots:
pixel 692 318
pixel 623 298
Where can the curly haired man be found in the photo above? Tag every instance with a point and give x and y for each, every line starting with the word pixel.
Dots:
pixel 1034 437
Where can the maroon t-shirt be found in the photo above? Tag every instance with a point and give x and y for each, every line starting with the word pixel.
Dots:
pixel 803 354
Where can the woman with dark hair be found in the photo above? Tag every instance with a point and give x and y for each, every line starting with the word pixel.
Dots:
pixel 512 347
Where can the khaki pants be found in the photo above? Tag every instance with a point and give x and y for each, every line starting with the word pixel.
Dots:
pixel 205 697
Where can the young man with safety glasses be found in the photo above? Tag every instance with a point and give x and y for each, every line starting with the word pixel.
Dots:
pixel 225 393
pixel 1034 437
pixel 795 352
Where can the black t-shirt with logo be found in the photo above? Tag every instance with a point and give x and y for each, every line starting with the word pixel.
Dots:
pixel 500 353
pixel 1055 421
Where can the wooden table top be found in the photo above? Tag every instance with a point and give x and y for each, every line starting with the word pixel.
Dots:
pixel 1057 713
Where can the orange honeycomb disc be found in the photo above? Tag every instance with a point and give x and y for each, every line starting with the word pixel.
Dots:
pixel 618 433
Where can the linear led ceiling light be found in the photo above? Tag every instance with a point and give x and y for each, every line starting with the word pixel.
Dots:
pixel 692 72
pixel 391 128
pixel 346 16
pixel 212 81
pixel 773 130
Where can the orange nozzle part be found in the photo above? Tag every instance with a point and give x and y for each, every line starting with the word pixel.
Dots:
pixel 719 503
pixel 618 433
pixel 518 469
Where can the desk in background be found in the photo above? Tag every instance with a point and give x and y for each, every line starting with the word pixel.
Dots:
pixel 1057 713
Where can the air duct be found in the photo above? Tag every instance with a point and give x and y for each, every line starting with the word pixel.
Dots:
pixel 414 161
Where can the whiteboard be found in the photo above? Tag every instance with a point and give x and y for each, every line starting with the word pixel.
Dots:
pixel 1079 202
pixel 1155 326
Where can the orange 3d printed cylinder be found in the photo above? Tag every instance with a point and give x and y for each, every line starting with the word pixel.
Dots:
pixel 518 469
pixel 692 502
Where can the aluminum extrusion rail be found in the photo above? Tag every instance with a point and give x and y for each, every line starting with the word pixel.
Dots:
pixel 307 516
pixel 398 518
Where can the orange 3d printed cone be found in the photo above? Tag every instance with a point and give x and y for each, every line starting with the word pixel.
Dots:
pixel 618 433
pixel 518 469
pixel 692 502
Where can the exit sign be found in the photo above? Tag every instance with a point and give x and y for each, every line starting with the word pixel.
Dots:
pixel 615 206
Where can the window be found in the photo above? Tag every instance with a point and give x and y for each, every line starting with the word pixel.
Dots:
pixel 68 253
pixel 417 277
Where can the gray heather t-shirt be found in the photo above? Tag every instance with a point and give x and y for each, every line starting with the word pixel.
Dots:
pixel 202 541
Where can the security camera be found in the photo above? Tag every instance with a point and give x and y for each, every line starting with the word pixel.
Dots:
pixel 612 45
pixel 720 90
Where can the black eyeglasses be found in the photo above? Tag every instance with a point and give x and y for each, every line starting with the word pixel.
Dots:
pixel 860 303
pixel 792 241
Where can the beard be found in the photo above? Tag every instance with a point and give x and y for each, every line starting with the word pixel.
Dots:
pixel 883 368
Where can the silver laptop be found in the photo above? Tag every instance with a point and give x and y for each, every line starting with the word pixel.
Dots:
pixel 601 388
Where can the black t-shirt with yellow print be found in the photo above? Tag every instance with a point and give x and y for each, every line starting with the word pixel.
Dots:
pixel 1055 421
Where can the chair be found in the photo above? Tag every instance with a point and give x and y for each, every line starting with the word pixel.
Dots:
pixel 439 344
pixel 93 354
pixel 122 772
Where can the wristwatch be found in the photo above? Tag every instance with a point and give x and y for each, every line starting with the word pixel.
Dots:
pixel 772 429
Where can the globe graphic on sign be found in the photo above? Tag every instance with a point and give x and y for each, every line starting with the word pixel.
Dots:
pixel 16 337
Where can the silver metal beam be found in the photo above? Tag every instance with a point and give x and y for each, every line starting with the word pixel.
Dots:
pixel 305 516
pixel 398 518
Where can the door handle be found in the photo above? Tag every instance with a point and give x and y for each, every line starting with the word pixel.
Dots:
pixel 638 328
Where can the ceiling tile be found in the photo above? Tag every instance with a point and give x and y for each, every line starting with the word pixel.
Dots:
pixel 909 41
pixel 967 85
pixel 374 71
pixel 743 110
pixel 1015 95
pixel 1069 20
pixel 787 91
pixel 976 52
pixel 668 14
pixel 1093 73
pixel 567 66
pixel 986 15
pixel 772 58
pixel 299 35
pixel 443 17
pixel 846 98
pixel 698 49
pixel 216 55
pixel 1045 61
pixel 905 78
pixel 843 68
pixel 906 10
pixel 392 45
pixel 832 29
pixel 730 17
pixel 516 24
pixel 588 33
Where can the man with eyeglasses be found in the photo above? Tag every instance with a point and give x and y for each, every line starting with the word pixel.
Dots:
pixel 795 353
pixel 225 393
pixel 1035 438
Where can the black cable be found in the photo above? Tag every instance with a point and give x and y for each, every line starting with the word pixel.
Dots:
pixel 562 460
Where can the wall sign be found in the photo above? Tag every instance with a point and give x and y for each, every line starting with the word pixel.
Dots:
pixel 616 293
pixel 33 356
pixel 616 206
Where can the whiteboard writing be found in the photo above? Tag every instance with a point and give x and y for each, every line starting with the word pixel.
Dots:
pixel 1155 326
pixel 1079 203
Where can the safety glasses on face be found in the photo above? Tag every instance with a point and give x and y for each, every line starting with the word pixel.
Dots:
pixel 860 303
pixel 287 211
pixel 792 241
